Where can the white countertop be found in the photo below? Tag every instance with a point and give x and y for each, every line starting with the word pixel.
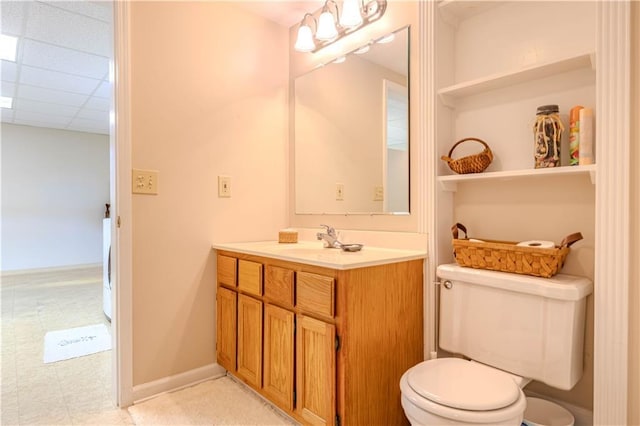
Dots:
pixel 313 253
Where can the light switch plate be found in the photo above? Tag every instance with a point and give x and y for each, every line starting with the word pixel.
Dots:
pixel 339 191
pixel 224 186
pixel 144 182
pixel 378 193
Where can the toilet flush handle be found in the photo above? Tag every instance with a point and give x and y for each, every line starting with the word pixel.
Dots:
pixel 447 284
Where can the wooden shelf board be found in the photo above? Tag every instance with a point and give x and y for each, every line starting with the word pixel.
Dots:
pixel 496 81
pixel 449 182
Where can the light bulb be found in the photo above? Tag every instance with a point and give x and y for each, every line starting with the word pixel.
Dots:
pixel 326 27
pixel 351 16
pixel 304 42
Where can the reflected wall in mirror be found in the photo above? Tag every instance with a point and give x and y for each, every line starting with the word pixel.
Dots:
pixel 351 132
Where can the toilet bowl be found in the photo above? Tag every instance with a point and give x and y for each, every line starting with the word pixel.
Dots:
pixel 452 391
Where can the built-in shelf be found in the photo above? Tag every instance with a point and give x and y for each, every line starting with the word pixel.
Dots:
pixel 454 11
pixel 450 182
pixel 450 94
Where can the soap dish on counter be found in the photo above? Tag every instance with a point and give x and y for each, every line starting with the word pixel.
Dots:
pixel 351 247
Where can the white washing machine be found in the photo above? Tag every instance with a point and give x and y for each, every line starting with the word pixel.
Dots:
pixel 106 268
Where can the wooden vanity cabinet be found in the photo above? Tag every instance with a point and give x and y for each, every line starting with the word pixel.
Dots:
pixel 326 346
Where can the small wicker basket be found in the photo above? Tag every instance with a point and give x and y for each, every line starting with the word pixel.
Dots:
pixel 506 256
pixel 471 164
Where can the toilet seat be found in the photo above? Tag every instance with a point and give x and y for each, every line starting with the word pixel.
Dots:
pixel 461 384
pixel 413 399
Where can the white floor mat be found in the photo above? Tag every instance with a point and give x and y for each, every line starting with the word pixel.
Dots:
pixel 76 342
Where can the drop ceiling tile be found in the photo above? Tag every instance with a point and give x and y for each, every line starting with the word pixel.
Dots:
pixel 104 90
pixel 8 71
pixel 45 108
pixel 57 80
pixel 27 116
pixel 43 55
pixel 93 114
pixel 97 10
pixel 12 17
pixel 8 89
pixel 63 28
pixel 101 104
pixel 53 96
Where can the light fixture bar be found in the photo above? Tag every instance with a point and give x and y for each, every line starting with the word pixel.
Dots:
pixel 371 11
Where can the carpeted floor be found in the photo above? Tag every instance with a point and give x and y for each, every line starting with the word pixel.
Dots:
pixel 215 402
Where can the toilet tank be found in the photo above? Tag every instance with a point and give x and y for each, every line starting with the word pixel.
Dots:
pixel 529 326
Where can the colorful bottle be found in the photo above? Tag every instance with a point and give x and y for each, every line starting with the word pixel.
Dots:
pixel 587 152
pixel 547 133
pixel 574 135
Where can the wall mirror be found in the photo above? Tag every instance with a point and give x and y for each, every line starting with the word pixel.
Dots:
pixel 351 132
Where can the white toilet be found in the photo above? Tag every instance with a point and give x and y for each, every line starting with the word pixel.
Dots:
pixel 514 329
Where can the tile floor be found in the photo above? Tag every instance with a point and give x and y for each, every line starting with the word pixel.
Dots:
pixel 70 392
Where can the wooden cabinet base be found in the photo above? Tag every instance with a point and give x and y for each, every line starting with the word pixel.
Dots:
pixel 337 353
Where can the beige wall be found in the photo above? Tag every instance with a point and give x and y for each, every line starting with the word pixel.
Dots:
pixel 634 284
pixel 209 98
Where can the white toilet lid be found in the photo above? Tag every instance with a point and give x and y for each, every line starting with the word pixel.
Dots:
pixel 462 384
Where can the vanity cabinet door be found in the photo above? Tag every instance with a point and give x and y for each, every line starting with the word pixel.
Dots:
pixel 250 277
pixel 315 371
pixel 226 328
pixel 250 340
pixel 278 285
pixel 315 294
pixel 278 356
pixel 227 268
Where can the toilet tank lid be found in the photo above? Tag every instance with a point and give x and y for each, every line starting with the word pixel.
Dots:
pixel 560 286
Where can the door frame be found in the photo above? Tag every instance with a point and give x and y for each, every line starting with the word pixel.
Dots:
pixel 121 226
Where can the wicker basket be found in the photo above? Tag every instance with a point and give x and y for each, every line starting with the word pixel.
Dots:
pixel 471 164
pixel 508 257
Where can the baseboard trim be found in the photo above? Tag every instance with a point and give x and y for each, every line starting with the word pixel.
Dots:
pixel 176 382
pixel 583 417
pixel 49 269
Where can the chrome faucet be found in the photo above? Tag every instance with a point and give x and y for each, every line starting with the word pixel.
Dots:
pixel 329 237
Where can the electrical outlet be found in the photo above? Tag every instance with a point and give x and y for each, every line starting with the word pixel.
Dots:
pixel 378 193
pixel 339 191
pixel 224 186
pixel 144 182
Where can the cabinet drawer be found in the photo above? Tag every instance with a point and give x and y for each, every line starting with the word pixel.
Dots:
pixel 250 277
pixel 278 285
pixel 227 270
pixel 315 294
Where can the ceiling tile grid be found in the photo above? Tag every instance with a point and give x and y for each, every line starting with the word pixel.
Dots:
pixel 60 76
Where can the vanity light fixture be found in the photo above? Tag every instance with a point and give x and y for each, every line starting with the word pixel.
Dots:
pixel 332 25
pixel 339 59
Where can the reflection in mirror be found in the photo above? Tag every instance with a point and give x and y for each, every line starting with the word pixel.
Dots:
pixel 351 132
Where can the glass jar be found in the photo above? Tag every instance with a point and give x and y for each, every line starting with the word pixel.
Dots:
pixel 547 132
